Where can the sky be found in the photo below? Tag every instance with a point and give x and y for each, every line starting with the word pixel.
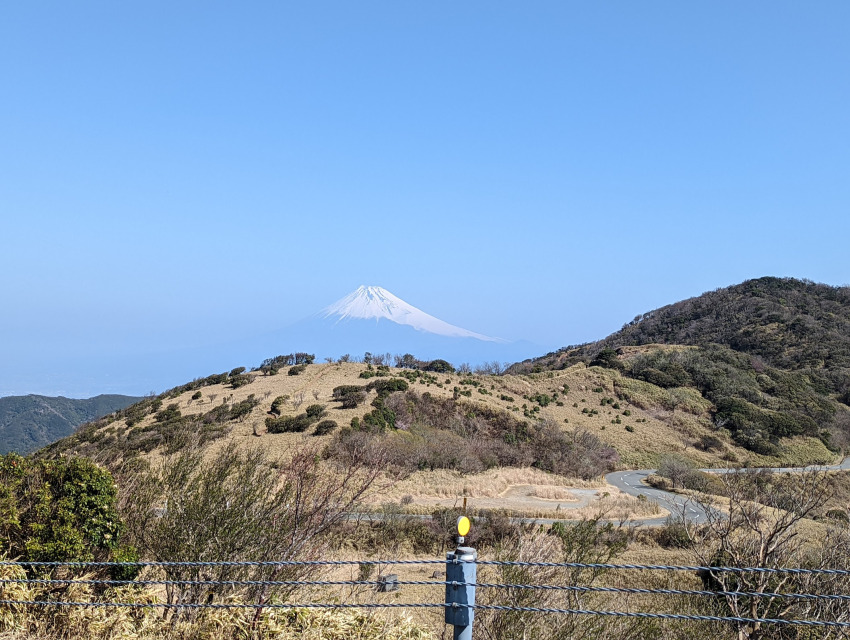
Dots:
pixel 178 175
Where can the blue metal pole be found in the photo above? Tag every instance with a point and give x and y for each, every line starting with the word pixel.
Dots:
pixel 461 572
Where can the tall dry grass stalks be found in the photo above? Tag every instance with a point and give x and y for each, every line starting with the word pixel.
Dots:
pixel 20 622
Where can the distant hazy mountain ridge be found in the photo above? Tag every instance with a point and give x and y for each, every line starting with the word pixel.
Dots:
pixel 30 422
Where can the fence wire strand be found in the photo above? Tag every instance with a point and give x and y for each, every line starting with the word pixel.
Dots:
pixel 431 583
pixel 435 583
pixel 496 563
pixel 420 605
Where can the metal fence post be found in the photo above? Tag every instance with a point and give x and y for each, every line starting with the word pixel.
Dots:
pixel 461 572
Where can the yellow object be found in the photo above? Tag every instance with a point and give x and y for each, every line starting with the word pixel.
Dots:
pixel 463 525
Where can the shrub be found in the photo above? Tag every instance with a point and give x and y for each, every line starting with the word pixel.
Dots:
pixel 237 371
pixel 438 366
pixel 240 380
pixel 197 395
pixel 315 411
pixel 277 403
pixel 838 514
pixel 170 412
pixel 325 427
pixel 288 424
pixel 385 387
pixel 350 395
pixel 630 428
pixel 58 510
pixel 674 535
pixel 709 443
pixel 542 399
pixel 296 369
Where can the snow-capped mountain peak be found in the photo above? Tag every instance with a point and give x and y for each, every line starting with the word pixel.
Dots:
pixel 379 304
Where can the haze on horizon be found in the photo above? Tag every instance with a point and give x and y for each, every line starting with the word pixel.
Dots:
pixel 177 178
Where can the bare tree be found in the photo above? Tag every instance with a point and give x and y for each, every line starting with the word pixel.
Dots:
pixel 677 469
pixel 316 394
pixel 298 400
pixel 493 368
pixel 241 505
pixel 756 523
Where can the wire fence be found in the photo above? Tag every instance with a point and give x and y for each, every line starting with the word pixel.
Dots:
pixel 57 584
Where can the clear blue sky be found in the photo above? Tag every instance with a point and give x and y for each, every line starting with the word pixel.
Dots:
pixel 172 174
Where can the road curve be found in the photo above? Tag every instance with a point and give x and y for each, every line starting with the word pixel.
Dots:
pixel 632 482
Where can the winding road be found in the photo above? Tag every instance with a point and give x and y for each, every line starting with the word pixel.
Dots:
pixel 631 482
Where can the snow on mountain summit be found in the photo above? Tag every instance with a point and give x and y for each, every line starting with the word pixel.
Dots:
pixel 377 303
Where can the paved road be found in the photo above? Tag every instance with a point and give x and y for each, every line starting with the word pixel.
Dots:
pixel 631 482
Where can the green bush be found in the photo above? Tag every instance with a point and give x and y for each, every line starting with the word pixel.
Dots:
pixel 385 387
pixel 315 411
pixel 288 424
pixel 438 366
pixel 60 510
pixel 325 427
pixel 277 403
pixel 171 412
pixel 350 395
pixel 296 369
pixel 542 399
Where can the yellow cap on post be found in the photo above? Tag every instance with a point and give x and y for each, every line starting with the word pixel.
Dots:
pixel 463 525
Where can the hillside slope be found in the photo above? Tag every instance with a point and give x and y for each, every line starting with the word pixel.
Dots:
pixel 30 422
pixel 771 355
pixel 459 422
pixel 790 324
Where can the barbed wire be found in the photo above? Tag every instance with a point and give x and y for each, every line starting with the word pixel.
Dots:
pixel 414 605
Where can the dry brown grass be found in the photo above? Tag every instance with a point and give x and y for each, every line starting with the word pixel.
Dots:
pixel 493 483
pixel 511 491
pixel 654 430
pixel 119 623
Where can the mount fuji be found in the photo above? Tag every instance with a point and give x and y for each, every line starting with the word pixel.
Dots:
pixel 368 319
pixel 375 320
pixel 367 303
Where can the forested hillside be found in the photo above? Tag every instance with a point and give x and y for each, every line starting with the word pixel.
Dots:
pixel 772 355
pixel 30 422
